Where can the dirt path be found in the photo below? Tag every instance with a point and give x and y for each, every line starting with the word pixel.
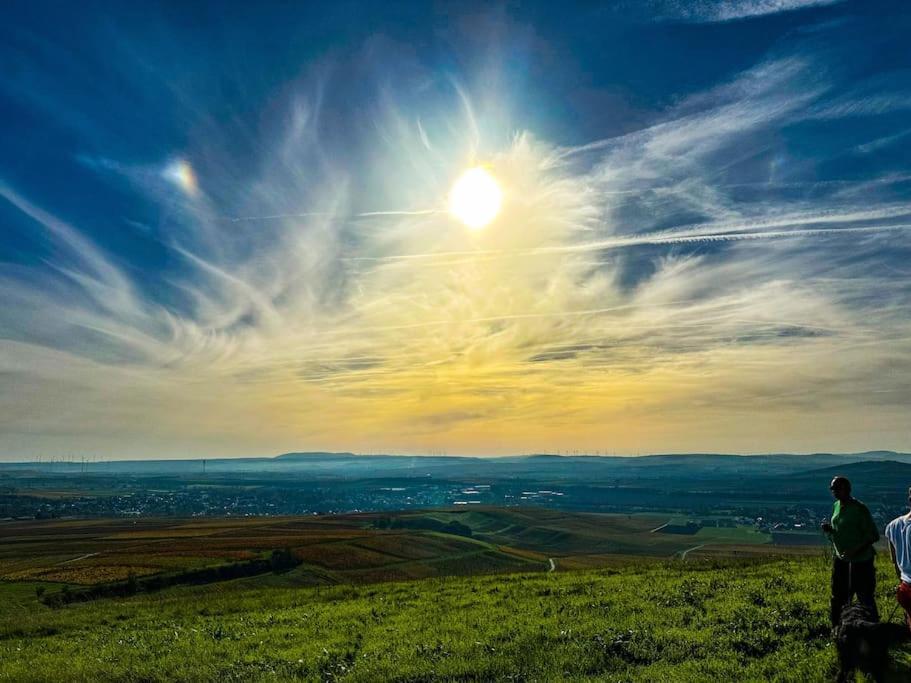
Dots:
pixel 689 550
pixel 76 559
pixel 551 565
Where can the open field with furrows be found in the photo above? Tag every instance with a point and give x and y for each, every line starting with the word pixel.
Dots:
pixel 565 535
pixel 332 550
pixel 348 548
pixel 657 620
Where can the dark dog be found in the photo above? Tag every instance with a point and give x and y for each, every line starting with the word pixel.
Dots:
pixel 863 642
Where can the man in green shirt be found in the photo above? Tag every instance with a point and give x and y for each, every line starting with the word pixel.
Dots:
pixel 853 533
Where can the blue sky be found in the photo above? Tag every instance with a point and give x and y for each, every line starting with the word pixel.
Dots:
pixel 225 228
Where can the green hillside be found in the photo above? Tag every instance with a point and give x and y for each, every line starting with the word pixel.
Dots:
pixel 661 621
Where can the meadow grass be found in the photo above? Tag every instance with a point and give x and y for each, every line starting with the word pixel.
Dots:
pixel 666 621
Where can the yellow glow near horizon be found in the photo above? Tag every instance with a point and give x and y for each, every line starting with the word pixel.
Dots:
pixel 475 198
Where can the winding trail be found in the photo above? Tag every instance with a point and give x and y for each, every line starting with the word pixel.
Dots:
pixel 76 559
pixel 551 565
pixel 689 550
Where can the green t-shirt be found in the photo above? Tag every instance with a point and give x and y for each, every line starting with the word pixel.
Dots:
pixel 852 525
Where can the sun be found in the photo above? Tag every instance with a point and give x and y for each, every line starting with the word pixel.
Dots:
pixel 475 198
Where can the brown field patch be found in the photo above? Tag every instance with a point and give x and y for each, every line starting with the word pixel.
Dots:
pixel 399 572
pixel 172 556
pixel 233 543
pixel 85 575
pixel 524 554
pixel 413 546
pixel 342 557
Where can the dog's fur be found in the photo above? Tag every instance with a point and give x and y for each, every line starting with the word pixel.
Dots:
pixel 863 642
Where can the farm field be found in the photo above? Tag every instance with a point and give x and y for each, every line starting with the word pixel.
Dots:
pixel 332 550
pixel 652 620
pixel 351 549
pixel 567 535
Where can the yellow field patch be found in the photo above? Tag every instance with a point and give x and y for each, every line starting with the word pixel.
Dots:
pixel 84 575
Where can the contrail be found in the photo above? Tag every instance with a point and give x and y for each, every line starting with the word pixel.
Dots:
pixel 275 216
pixel 308 214
pixel 423 212
pixel 719 236
pixel 724 234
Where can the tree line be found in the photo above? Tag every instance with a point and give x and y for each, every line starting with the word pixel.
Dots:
pixel 281 560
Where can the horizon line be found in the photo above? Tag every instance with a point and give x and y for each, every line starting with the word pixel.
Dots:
pixel 85 461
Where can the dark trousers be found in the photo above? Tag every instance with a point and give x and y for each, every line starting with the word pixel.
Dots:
pixel 848 579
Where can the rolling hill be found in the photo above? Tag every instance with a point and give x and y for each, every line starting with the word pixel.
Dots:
pixel 693 621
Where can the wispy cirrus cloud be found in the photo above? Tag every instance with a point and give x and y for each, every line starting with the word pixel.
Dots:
pixel 690 285
pixel 733 10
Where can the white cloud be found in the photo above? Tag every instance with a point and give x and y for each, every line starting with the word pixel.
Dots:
pixel 327 301
pixel 732 10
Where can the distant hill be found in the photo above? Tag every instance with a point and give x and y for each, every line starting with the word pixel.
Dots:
pixel 880 473
pixel 864 469
pixel 314 456
pixel 614 470
pixel 885 481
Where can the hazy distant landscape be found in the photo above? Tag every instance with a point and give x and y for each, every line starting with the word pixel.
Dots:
pixel 783 497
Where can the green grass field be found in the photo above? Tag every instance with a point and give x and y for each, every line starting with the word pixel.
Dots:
pixel 659 621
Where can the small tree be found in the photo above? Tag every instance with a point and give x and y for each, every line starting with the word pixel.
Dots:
pixel 282 559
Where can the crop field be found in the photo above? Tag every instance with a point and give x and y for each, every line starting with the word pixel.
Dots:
pixel 567 536
pixel 88 552
pixel 332 549
pixel 402 545
pixel 348 548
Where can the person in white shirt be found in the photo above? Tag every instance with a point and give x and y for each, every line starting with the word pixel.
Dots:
pixel 898 531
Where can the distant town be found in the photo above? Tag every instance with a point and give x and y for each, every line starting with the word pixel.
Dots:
pixel 694 498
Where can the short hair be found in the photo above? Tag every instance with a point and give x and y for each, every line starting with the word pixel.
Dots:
pixel 843 481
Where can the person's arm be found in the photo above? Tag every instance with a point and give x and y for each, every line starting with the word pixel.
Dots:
pixel 898 572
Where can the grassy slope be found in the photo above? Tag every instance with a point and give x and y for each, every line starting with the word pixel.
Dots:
pixel 562 534
pixel 667 621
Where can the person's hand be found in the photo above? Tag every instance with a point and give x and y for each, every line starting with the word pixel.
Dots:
pixel 826 528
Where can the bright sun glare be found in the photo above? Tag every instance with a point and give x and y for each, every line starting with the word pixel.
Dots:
pixel 475 198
